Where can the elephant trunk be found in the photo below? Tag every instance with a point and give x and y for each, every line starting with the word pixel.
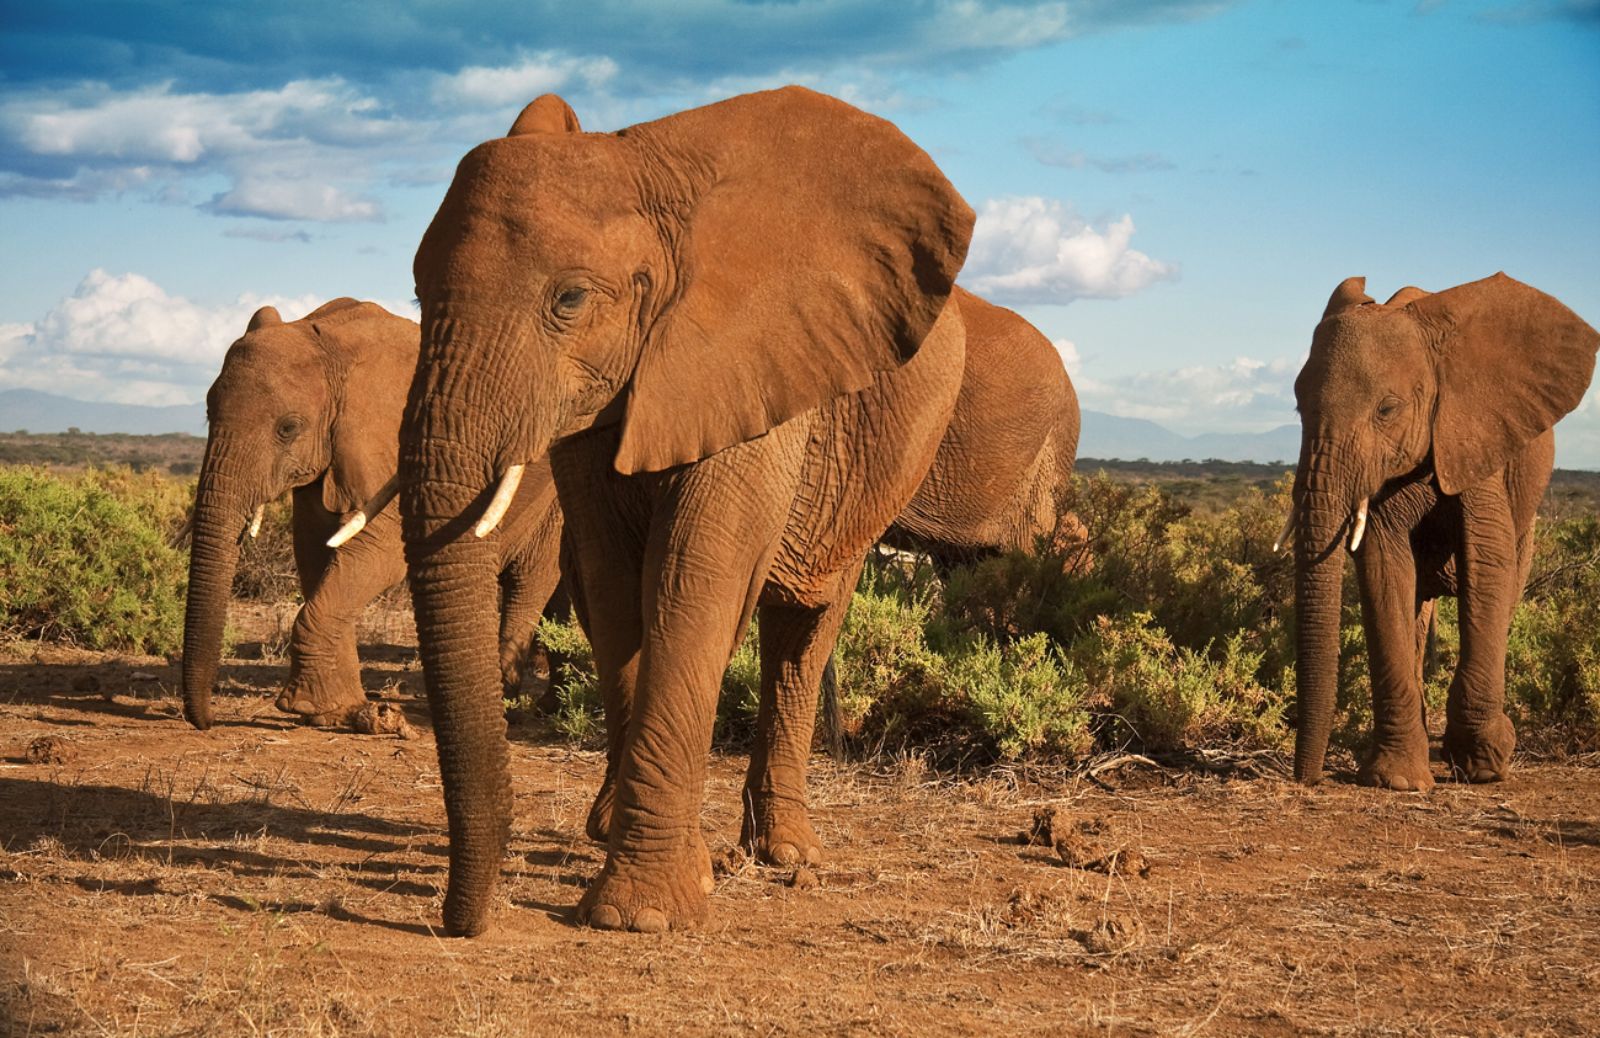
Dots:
pixel 220 515
pixel 455 446
pixel 1320 517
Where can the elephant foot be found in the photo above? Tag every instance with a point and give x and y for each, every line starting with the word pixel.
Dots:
pixel 1482 754
pixel 777 831
pixel 322 703
pixel 598 826
pixel 1398 762
pixel 664 893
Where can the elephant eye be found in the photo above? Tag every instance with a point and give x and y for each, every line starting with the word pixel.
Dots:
pixel 1388 408
pixel 571 300
pixel 290 427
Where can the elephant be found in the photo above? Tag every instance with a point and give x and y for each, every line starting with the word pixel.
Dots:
pixel 1003 472
pixel 727 329
pixel 1426 445
pixel 1000 480
pixel 313 407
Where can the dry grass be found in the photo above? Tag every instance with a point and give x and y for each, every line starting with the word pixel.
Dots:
pixel 269 879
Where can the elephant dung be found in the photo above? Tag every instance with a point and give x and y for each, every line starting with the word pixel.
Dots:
pixel 383 719
pixel 51 749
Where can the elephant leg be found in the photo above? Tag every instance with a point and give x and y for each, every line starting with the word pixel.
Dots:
pixel 324 669
pixel 796 645
pixel 715 528
pixel 1478 736
pixel 1396 624
pixel 312 525
pixel 527 583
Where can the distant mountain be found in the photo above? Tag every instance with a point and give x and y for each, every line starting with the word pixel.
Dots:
pixel 1104 436
pixel 1110 436
pixel 47 413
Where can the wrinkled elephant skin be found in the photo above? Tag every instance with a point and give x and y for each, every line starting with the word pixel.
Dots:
pixel 728 328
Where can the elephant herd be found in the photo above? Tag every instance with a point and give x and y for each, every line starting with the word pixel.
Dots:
pixel 692 370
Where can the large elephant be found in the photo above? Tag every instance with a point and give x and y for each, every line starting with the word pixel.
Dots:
pixel 1003 472
pixel 313 406
pixel 1000 480
pixel 728 329
pixel 1426 446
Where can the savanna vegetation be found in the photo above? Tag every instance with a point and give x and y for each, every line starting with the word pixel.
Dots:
pixel 1170 633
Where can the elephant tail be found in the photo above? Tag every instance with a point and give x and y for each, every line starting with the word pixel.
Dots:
pixel 832 712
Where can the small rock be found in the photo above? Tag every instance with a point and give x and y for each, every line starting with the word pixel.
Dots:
pixel 51 749
pixel 803 879
pixel 383 719
pixel 143 675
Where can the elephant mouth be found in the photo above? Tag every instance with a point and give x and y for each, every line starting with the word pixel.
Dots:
pixel 505 490
pixel 1357 522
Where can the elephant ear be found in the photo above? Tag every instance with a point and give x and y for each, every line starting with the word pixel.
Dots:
pixel 1511 362
pixel 546 113
pixel 373 354
pixel 1351 292
pixel 815 247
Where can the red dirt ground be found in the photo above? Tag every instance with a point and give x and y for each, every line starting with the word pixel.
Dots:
pixel 264 878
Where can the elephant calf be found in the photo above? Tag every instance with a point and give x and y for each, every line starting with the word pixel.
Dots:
pixel 1426 445
pixel 314 406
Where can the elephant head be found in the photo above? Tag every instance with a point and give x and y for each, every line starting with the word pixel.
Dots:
pixel 1448 386
pixel 299 401
pixel 697 281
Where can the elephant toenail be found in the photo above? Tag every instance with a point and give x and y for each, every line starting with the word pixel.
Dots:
pixel 813 856
pixel 650 920
pixel 785 854
pixel 708 883
pixel 605 917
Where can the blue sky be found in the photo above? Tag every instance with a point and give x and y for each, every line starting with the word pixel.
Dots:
pixel 1169 189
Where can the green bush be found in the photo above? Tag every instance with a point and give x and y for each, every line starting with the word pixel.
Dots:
pixel 580 717
pixel 84 559
pixel 1553 654
pixel 1024 697
pixel 1166 697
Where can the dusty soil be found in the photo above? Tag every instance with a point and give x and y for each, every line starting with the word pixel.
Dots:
pixel 264 878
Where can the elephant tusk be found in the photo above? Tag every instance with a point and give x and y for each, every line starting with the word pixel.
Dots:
pixel 352 526
pixel 500 502
pixel 1288 530
pixel 1361 526
pixel 358 522
pixel 255 521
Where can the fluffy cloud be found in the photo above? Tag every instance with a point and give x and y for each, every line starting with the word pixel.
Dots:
pixel 689 40
pixel 295 152
pixel 1578 435
pixel 497 87
pixel 122 338
pixel 1244 395
pixel 1037 250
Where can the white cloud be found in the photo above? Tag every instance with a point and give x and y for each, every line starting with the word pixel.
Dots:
pixel 296 152
pixel 298 198
pixel 1578 435
pixel 1243 395
pixel 500 86
pixel 1032 250
pixel 123 338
